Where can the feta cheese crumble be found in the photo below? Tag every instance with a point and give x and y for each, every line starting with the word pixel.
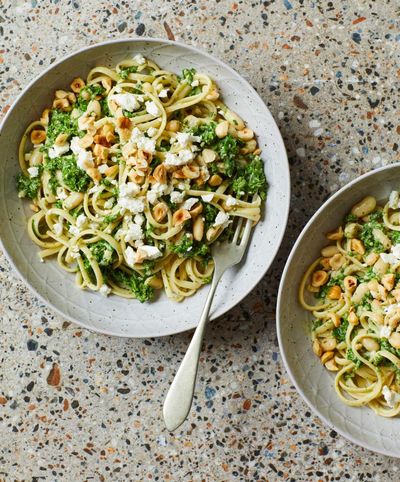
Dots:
pixel 189 203
pixel 133 233
pixel 231 201
pixel 149 252
pixel 163 93
pixel 176 197
pixel 139 59
pixel 393 257
pixel 391 397
pixel 81 221
pixel 385 332
pixel 126 101
pixel 207 198
pixel 152 131
pixel 57 150
pixel 180 159
pixel 129 256
pixel 152 108
pixel 58 228
pixel 103 168
pixel 74 230
pixel 105 290
pixel 33 171
pixel 222 219
pixel 84 157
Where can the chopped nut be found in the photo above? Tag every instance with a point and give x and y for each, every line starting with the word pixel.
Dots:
pixel 319 278
pixel 350 283
pixel 334 293
pixel 38 136
pixel 335 235
pixel 180 216
pixel 317 348
pixel 328 355
pixel 357 246
pixel 388 281
pixel 77 84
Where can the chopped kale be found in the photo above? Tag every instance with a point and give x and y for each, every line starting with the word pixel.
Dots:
pixel 394 236
pixel 58 204
pixel 125 71
pixel 74 177
pixel 368 276
pixel 227 149
pixel 385 345
pixel 28 186
pixel 164 146
pixel 210 213
pixel 110 218
pixel 133 282
pixel 60 123
pixel 350 355
pixel 187 75
pixel 251 179
pixel 206 132
pixel 351 218
pixel 148 267
pixel 340 332
pixel 188 248
pixel 91 92
pixel 102 252
pixel 316 324
pixel 367 237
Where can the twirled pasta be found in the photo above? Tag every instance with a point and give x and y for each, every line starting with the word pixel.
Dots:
pixel 353 292
pixel 133 174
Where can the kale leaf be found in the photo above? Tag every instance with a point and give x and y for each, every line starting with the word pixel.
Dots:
pixel 187 248
pixel 60 123
pixel 251 179
pixel 133 282
pixel 28 186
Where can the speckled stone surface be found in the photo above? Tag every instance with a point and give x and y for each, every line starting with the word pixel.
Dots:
pixel 77 406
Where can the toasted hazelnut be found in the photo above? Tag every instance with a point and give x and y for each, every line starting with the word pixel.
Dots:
pixel 160 211
pixel 336 320
pixel 328 355
pixel 102 140
pixel 77 84
pixel 173 126
pixel 335 235
pixel 100 151
pixel 334 292
pixel 222 129
pixel 215 180
pixel 319 278
pixel 123 122
pixel 328 344
pixel 325 263
pixel 180 216
pixel 62 104
pixel 388 281
pixel 86 141
pixel 331 365
pixel 94 173
pixel 357 246
pixel 61 139
pixel 337 261
pixel 196 210
pixel 370 344
pixel 61 94
pixel 38 136
pixel 112 171
pixel 350 283
pixel 198 228
pixel 394 339
pixel 45 117
pixel 317 348
pixel 160 174
pixel 155 282
pixel 191 171
pixel 245 134
pixel 353 318
pixel 208 155
pixel 329 251
pixel 371 258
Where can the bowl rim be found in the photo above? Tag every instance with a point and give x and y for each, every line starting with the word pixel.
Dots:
pixel 280 300
pixel 285 205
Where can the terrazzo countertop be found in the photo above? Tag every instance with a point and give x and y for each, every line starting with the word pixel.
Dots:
pixel 77 406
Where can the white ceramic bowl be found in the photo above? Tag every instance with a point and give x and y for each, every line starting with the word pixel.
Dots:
pixel 312 380
pixel 114 315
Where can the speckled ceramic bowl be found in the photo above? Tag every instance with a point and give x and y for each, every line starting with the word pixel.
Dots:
pixel 113 315
pixel 312 380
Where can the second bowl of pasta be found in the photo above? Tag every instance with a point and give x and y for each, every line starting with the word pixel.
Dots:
pixel 339 311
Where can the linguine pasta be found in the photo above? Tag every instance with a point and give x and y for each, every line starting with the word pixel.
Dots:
pixel 353 292
pixel 134 174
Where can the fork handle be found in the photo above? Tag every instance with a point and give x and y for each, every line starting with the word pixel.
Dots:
pixel 180 395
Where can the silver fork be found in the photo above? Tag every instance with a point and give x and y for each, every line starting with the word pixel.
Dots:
pixel 180 395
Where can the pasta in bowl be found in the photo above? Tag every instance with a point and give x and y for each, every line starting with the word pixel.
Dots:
pixel 340 358
pixel 133 174
pixel 115 315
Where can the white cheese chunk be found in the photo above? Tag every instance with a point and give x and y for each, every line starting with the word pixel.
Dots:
pixel 222 219
pixel 84 158
pixel 139 219
pixel 129 256
pixel 149 252
pixel 126 101
pixel 177 197
pixel 385 332
pixel 391 397
pixel 152 108
pixel 195 83
pixel 394 200
pixel 231 201
pixel 103 168
pixel 33 171
pixel 163 93
pixel 57 150
pixel 58 228
pixel 74 230
pixel 139 59
pixel 105 290
pixel 133 233
pixel 152 131
pixel 207 198
pixel 133 205
pixel 180 159
pixel 129 189
pixel 109 203
pixel 189 203
pixel 147 144
pixel 61 193
pixel 81 221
